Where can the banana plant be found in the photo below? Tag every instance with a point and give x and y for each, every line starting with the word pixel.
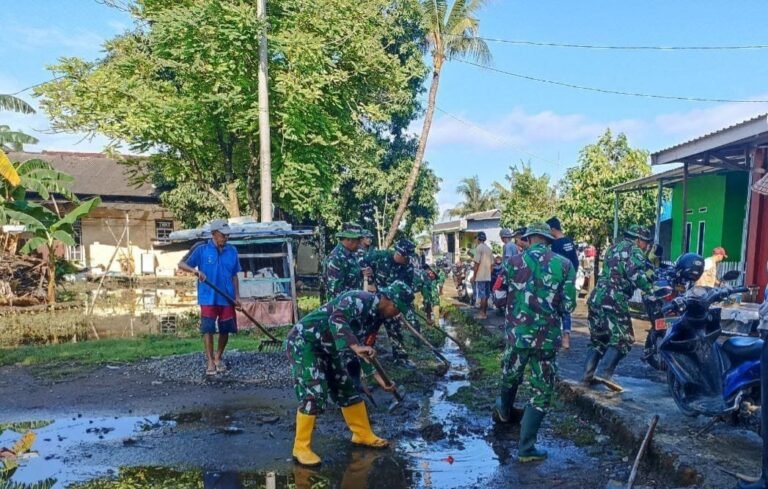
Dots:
pixel 48 229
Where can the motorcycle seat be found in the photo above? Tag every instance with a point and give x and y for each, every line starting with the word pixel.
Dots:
pixel 743 348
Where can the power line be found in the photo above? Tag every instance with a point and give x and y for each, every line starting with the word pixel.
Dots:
pixel 37 85
pixel 609 91
pixel 524 42
pixel 494 136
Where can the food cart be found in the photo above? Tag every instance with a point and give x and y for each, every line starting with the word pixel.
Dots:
pixel 267 278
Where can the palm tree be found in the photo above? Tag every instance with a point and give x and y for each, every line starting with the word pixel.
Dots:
pixel 475 199
pixel 450 34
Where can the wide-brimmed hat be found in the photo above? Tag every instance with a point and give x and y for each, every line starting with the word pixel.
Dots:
pixel 221 226
pixel 720 251
pixel 639 232
pixel 538 229
pixel 350 230
pixel 405 247
pixel 399 293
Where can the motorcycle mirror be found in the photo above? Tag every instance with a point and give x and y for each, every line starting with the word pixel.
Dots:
pixel 662 292
pixel 731 275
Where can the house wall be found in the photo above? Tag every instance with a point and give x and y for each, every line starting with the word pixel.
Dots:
pixel 757 243
pixel 102 229
pixel 724 198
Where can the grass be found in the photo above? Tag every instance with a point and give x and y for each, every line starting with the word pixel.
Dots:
pixel 117 350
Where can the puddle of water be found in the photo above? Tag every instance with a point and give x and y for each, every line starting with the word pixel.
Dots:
pixel 54 442
pixel 460 459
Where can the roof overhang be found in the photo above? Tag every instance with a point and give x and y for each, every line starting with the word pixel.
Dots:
pixel 667 179
pixel 724 147
pixel 449 226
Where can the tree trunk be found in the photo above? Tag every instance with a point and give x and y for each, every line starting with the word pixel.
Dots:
pixel 406 197
pixel 51 275
pixel 233 207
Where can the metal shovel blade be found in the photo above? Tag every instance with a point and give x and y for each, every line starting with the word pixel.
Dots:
pixel 399 400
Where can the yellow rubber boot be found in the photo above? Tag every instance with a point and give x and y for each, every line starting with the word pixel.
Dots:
pixel 356 417
pixel 302 449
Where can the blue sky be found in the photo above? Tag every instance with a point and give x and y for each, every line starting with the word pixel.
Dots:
pixel 511 119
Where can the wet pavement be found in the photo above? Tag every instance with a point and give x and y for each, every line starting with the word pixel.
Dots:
pixel 134 430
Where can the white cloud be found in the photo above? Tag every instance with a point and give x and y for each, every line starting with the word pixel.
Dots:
pixel 697 122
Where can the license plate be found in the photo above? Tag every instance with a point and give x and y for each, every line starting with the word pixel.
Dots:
pixel 662 324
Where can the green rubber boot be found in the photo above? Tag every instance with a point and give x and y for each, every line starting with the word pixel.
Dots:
pixel 504 407
pixel 529 427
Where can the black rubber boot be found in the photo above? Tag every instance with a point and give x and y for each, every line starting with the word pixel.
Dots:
pixel 529 427
pixel 612 359
pixel 590 366
pixel 504 406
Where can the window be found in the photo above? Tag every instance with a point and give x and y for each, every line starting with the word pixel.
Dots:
pixel 163 229
pixel 689 211
pixel 702 210
pixel 700 242
pixel 75 253
pixel 687 237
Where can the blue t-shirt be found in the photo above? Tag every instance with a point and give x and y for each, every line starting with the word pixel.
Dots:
pixel 564 247
pixel 219 267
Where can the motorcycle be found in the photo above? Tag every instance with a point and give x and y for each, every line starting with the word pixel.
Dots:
pixel 706 376
pixel 462 278
pixel 667 277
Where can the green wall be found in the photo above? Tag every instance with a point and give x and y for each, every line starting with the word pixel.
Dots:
pixel 724 197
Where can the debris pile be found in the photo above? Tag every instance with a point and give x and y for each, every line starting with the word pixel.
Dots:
pixel 23 280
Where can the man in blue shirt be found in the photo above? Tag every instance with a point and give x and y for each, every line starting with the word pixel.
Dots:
pixel 563 246
pixel 217 262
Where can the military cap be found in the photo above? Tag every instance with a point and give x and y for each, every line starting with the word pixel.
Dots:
pixel 405 247
pixel 399 293
pixel 506 233
pixel 540 229
pixel 639 232
pixel 350 230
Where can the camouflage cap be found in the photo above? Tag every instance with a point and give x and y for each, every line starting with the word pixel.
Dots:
pixel 350 230
pixel 639 232
pixel 538 229
pixel 367 234
pixel 405 247
pixel 399 293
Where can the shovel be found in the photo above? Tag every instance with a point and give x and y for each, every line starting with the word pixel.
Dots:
pixel 426 342
pixel 612 484
pixel 445 333
pixel 272 345
pixel 399 397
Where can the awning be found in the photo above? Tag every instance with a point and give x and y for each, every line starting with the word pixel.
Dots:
pixel 667 178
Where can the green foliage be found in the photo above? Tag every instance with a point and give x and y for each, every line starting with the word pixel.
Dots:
pixel 24 426
pixel 15 104
pixel 474 198
pixel 528 199
pixel 184 83
pixel 585 196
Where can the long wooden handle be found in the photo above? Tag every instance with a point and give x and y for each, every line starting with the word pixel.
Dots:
pixel 445 333
pixel 421 338
pixel 643 448
pixel 232 303
pixel 380 370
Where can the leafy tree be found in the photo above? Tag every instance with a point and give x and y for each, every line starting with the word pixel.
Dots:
pixel 529 198
pixel 585 196
pixel 182 86
pixel 474 198
pixel 450 34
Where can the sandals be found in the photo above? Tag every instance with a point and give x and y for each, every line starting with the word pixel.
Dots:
pixel 210 371
pixel 221 367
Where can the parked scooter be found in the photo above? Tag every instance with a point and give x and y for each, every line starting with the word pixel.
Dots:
pixel 462 278
pixel 678 278
pixel 705 376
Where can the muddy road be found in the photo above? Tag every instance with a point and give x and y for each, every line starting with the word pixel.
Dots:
pixel 138 424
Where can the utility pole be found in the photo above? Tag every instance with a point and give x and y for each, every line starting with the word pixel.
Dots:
pixel 265 153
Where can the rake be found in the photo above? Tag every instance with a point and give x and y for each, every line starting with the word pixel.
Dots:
pixel 272 345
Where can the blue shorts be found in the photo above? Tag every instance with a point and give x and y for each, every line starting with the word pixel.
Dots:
pixel 566 322
pixel 225 315
pixel 483 289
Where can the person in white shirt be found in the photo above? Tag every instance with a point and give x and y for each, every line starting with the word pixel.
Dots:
pixel 709 277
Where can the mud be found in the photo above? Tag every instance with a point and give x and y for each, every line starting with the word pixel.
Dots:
pixel 119 426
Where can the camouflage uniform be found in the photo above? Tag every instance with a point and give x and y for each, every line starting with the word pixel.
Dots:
pixel 386 271
pixel 625 269
pixel 428 289
pixel 542 290
pixel 440 279
pixel 318 349
pixel 342 272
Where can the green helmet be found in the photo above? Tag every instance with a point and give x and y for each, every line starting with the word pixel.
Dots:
pixel 639 232
pixel 399 293
pixel 350 230
pixel 540 229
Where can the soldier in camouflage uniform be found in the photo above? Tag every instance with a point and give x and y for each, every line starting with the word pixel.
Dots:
pixel 625 269
pixel 440 280
pixel 425 281
pixel 542 291
pixel 319 348
pixel 342 271
pixel 384 268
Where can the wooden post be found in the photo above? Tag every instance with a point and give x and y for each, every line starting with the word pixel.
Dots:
pixel 683 243
pixel 615 217
pixel 659 199
pixel 265 151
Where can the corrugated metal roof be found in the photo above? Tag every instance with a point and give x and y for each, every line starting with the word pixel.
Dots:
pixel 484 215
pixel 94 174
pixel 732 134
pixel 668 177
